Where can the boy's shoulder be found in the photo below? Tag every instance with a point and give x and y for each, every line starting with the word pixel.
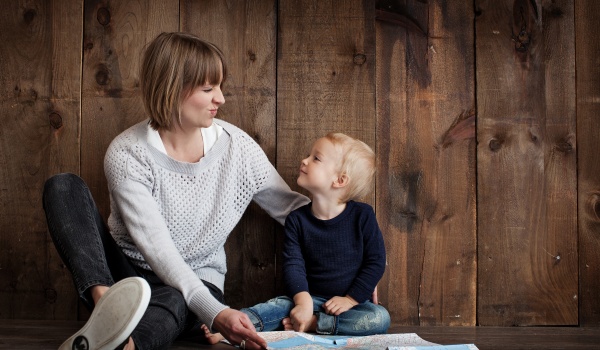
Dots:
pixel 361 206
pixel 301 210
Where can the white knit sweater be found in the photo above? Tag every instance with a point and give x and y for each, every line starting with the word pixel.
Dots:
pixel 174 217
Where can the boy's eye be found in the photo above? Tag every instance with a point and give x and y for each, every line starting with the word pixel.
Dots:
pixel 317 158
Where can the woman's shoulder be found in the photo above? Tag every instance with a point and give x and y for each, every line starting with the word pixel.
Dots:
pixel 131 136
pixel 228 127
pixel 131 142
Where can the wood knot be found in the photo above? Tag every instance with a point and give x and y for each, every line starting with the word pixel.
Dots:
pixel 593 205
pixel 102 75
pixel 50 295
pixel 495 144
pixel 55 120
pixel 359 59
pixel 564 146
pixel 103 16
pixel 29 15
pixel 522 41
pixel 251 55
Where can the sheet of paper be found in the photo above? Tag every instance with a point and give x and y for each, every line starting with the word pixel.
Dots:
pixel 305 341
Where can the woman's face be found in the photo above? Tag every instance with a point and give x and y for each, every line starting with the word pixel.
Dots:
pixel 200 108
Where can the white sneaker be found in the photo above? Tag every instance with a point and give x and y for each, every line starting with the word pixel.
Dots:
pixel 114 317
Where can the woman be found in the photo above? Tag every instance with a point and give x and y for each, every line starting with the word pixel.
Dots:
pixel 178 183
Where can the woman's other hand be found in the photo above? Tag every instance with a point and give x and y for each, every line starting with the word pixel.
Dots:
pixel 236 327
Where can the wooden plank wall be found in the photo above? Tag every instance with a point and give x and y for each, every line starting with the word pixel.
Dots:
pixel 426 154
pixel 487 188
pixel 587 14
pixel 526 162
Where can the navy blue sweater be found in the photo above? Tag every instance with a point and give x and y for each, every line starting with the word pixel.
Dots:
pixel 337 257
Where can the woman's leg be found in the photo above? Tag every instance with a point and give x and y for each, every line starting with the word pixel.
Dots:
pixel 95 262
pixel 81 237
pixel 268 316
pixel 167 316
pixel 363 319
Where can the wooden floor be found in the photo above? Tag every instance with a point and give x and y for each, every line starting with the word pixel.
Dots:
pixel 35 335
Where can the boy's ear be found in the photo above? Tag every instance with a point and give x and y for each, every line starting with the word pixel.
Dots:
pixel 341 181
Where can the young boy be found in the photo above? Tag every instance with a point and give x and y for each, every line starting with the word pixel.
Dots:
pixel 333 255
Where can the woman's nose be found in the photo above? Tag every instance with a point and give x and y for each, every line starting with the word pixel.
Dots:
pixel 219 98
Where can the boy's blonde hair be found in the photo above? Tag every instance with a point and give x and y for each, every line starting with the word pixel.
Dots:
pixel 358 164
pixel 173 65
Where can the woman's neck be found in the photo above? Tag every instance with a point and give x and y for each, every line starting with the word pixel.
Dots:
pixel 183 145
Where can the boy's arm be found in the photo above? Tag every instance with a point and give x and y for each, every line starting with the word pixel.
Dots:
pixel 294 267
pixel 294 274
pixel 302 314
pixel 373 266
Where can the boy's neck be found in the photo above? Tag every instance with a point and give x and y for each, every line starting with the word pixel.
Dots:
pixel 327 208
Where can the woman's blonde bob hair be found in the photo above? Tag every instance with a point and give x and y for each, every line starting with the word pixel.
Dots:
pixel 357 163
pixel 173 66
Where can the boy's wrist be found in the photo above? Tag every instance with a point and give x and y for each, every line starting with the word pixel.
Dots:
pixel 303 299
pixel 352 300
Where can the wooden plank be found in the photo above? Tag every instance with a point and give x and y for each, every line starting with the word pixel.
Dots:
pixel 40 64
pixel 325 82
pixel 426 169
pixel 245 31
pixel 37 334
pixel 325 77
pixel 587 13
pixel 527 229
pixel 114 34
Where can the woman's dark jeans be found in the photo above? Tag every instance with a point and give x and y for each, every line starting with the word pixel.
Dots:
pixel 87 248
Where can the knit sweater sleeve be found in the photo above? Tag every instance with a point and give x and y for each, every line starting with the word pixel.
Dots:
pixel 373 265
pixel 276 197
pixel 130 190
pixel 294 268
pixel 273 194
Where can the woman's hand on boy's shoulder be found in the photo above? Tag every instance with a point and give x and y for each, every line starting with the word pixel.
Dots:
pixel 337 305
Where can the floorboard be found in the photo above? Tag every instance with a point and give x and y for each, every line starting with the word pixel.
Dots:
pixel 36 335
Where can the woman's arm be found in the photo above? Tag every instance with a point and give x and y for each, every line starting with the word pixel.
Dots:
pixel 276 197
pixel 149 232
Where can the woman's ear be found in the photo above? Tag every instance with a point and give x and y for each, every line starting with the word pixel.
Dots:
pixel 341 181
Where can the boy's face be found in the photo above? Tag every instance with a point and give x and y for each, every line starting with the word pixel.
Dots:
pixel 320 169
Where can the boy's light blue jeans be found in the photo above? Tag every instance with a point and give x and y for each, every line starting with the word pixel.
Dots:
pixel 363 319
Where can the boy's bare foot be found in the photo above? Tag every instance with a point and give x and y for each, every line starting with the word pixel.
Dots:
pixel 312 326
pixel 211 338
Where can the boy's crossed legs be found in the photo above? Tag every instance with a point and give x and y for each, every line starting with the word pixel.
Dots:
pixel 363 319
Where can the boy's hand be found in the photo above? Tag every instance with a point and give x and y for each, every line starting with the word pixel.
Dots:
pixel 301 317
pixel 337 305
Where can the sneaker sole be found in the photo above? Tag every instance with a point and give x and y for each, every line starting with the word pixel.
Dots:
pixel 114 317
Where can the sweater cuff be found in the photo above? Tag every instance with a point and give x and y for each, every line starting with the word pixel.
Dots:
pixel 206 307
pixel 359 294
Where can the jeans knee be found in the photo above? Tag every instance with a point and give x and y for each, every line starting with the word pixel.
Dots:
pixel 59 184
pixel 172 302
pixel 282 301
pixel 377 321
pixel 380 320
